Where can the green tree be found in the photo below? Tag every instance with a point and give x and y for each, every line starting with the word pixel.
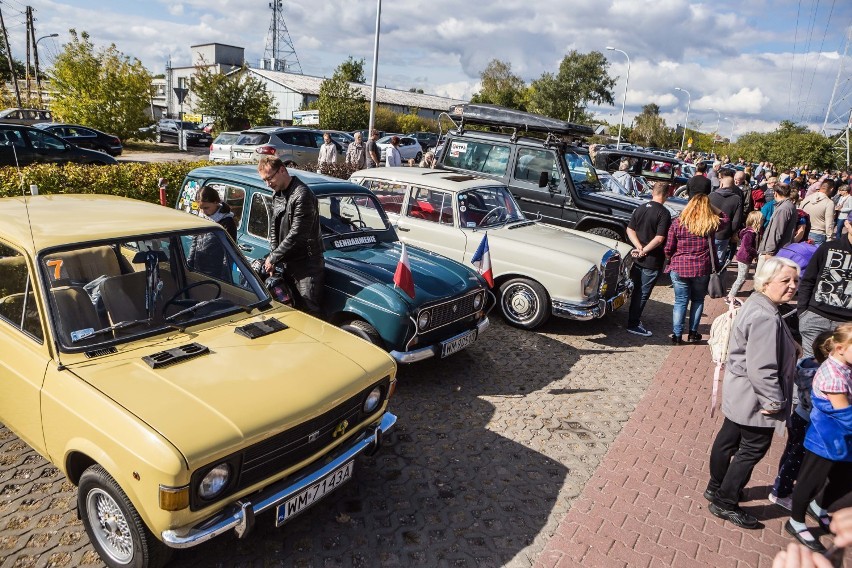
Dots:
pixel 787 146
pixel 386 120
pixel 341 106
pixel 500 86
pixel 103 89
pixel 352 70
pixel 5 74
pixel 582 79
pixel 650 129
pixel 235 99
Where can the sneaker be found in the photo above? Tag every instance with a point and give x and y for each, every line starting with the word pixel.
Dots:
pixel 639 330
pixel 693 337
pixel 736 516
pixel 783 502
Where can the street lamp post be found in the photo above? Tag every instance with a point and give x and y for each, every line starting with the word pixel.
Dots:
pixel 375 70
pixel 38 77
pixel 624 100
pixel 731 137
pixel 685 122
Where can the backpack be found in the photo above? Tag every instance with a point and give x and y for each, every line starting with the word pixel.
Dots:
pixel 800 253
pixel 720 338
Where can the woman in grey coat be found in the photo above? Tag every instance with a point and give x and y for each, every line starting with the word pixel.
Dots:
pixel 757 390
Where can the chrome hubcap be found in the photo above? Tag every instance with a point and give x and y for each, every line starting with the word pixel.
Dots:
pixel 520 303
pixel 110 526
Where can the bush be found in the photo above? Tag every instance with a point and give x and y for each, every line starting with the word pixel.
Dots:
pixel 137 181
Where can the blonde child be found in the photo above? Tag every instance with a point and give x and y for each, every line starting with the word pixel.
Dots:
pixel 828 442
pixel 747 252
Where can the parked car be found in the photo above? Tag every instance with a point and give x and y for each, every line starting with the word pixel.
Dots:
pixel 409 148
pixel 539 270
pixel 295 146
pixel 169 130
pixel 653 167
pixel 25 116
pixel 427 140
pixel 221 149
pixel 552 178
pixel 183 402
pixel 85 137
pixel 24 145
pixel 449 310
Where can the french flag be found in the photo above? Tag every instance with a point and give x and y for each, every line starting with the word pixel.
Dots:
pixel 402 278
pixel 482 261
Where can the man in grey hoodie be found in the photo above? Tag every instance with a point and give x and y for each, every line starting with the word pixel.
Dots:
pixel 781 227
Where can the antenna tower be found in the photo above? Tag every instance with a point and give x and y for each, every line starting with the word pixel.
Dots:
pixel 280 55
pixel 838 115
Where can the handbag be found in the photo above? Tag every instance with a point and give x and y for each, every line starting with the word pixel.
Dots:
pixel 715 287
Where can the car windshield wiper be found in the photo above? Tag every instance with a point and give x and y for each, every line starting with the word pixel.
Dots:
pixel 85 334
pixel 194 307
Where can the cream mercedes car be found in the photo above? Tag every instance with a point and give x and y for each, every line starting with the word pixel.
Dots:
pixel 144 358
pixel 539 270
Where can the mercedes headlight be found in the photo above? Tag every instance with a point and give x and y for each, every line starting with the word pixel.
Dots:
pixel 371 403
pixel 591 281
pixel 423 320
pixel 215 481
pixel 477 301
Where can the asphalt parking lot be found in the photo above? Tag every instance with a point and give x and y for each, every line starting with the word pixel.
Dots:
pixel 164 152
pixel 492 446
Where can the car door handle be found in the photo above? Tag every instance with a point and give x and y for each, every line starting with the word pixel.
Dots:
pixel 403 229
pixel 245 248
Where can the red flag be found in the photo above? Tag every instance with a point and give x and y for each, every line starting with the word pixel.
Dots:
pixel 402 278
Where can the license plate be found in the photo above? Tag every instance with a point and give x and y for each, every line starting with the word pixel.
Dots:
pixel 243 155
pixel 457 344
pixel 307 497
pixel 618 301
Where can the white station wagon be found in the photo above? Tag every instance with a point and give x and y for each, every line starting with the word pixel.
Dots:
pixel 538 269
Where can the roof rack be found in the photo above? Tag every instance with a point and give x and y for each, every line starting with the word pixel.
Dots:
pixel 493 115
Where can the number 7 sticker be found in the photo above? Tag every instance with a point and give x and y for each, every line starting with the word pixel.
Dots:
pixel 57 267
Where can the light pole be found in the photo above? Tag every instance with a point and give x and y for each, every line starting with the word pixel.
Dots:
pixel 685 122
pixel 731 137
pixel 624 101
pixel 375 70
pixel 38 78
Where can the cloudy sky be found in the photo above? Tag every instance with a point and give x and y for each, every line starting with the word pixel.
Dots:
pixel 756 62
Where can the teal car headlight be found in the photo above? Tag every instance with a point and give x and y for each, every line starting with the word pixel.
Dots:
pixel 591 281
pixel 423 320
pixel 477 301
pixel 214 482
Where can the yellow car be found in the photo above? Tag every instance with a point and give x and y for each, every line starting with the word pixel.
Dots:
pixel 144 358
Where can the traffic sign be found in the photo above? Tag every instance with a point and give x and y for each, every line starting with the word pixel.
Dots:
pixel 180 93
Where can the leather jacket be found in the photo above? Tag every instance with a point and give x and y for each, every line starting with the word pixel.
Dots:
pixel 294 234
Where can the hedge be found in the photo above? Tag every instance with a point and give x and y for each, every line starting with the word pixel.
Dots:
pixel 126 179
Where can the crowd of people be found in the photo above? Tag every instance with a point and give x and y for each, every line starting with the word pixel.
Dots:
pixel 786 370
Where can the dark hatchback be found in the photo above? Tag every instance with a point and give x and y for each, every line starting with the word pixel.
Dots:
pixel 24 145
pixel 449 310
pixel 169 130
pixel 85 137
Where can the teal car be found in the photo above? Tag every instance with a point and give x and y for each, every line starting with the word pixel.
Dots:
pixel 449 310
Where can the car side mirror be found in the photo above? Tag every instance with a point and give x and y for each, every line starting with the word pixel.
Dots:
pixel 543 179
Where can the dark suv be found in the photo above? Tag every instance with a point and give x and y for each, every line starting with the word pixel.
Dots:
pixel 552 177
pixel 427 140
pixel 24 145
pixel 168 130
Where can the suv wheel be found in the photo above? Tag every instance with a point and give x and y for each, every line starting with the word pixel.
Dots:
pixel 604 232
pixel 158 138
pixel 418 157
pixel 524 303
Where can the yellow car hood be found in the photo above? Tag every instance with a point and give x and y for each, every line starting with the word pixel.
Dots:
pixel 243 390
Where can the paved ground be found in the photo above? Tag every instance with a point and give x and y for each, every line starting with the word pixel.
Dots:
pixel 164 153
pixel 644 504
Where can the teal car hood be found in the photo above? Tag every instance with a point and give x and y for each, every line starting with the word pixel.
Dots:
pixel 435 277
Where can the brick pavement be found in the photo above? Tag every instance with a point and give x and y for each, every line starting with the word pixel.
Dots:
pixel 644 506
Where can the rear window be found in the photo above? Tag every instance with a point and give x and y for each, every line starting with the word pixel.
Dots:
pixel 252 138
pixel 227 138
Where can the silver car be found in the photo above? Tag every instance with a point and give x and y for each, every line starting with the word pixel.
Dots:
pixel 221 148
pixel 409 148
pixel 295 146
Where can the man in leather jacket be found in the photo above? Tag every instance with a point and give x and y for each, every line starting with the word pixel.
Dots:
pixel 294 233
